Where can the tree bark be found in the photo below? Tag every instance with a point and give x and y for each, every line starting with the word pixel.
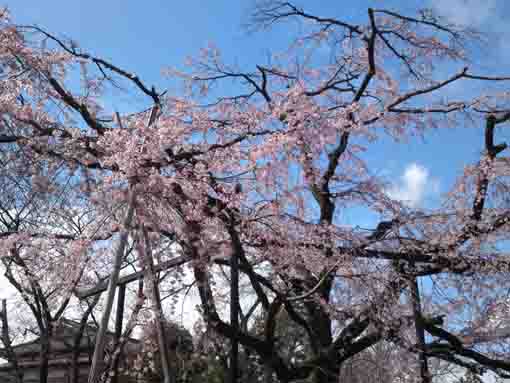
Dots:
pixel 78 336
pixel 420 331
pixel 6 340
pixel 44 357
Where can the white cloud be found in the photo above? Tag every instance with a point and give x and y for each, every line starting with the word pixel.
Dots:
pixel 414 185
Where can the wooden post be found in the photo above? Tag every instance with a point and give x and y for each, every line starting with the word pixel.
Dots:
pixel 121 297
pixel 158 310
pixel 234 316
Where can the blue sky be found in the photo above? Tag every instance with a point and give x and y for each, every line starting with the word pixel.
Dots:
pixel 148 36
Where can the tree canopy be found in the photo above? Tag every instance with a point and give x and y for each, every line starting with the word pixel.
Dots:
pixel 244 175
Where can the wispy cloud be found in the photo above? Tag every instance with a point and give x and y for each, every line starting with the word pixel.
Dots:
pixel 473 13
pixel 484 15
pixel 414 185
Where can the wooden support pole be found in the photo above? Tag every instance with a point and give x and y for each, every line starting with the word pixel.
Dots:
pixel 153 285
pixel 177 261
pixel 234 316
pixel 121 297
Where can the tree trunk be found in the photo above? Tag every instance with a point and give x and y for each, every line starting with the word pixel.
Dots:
pixel 44 355
pixel 420 332
pixel 6 340
pixel 77 339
